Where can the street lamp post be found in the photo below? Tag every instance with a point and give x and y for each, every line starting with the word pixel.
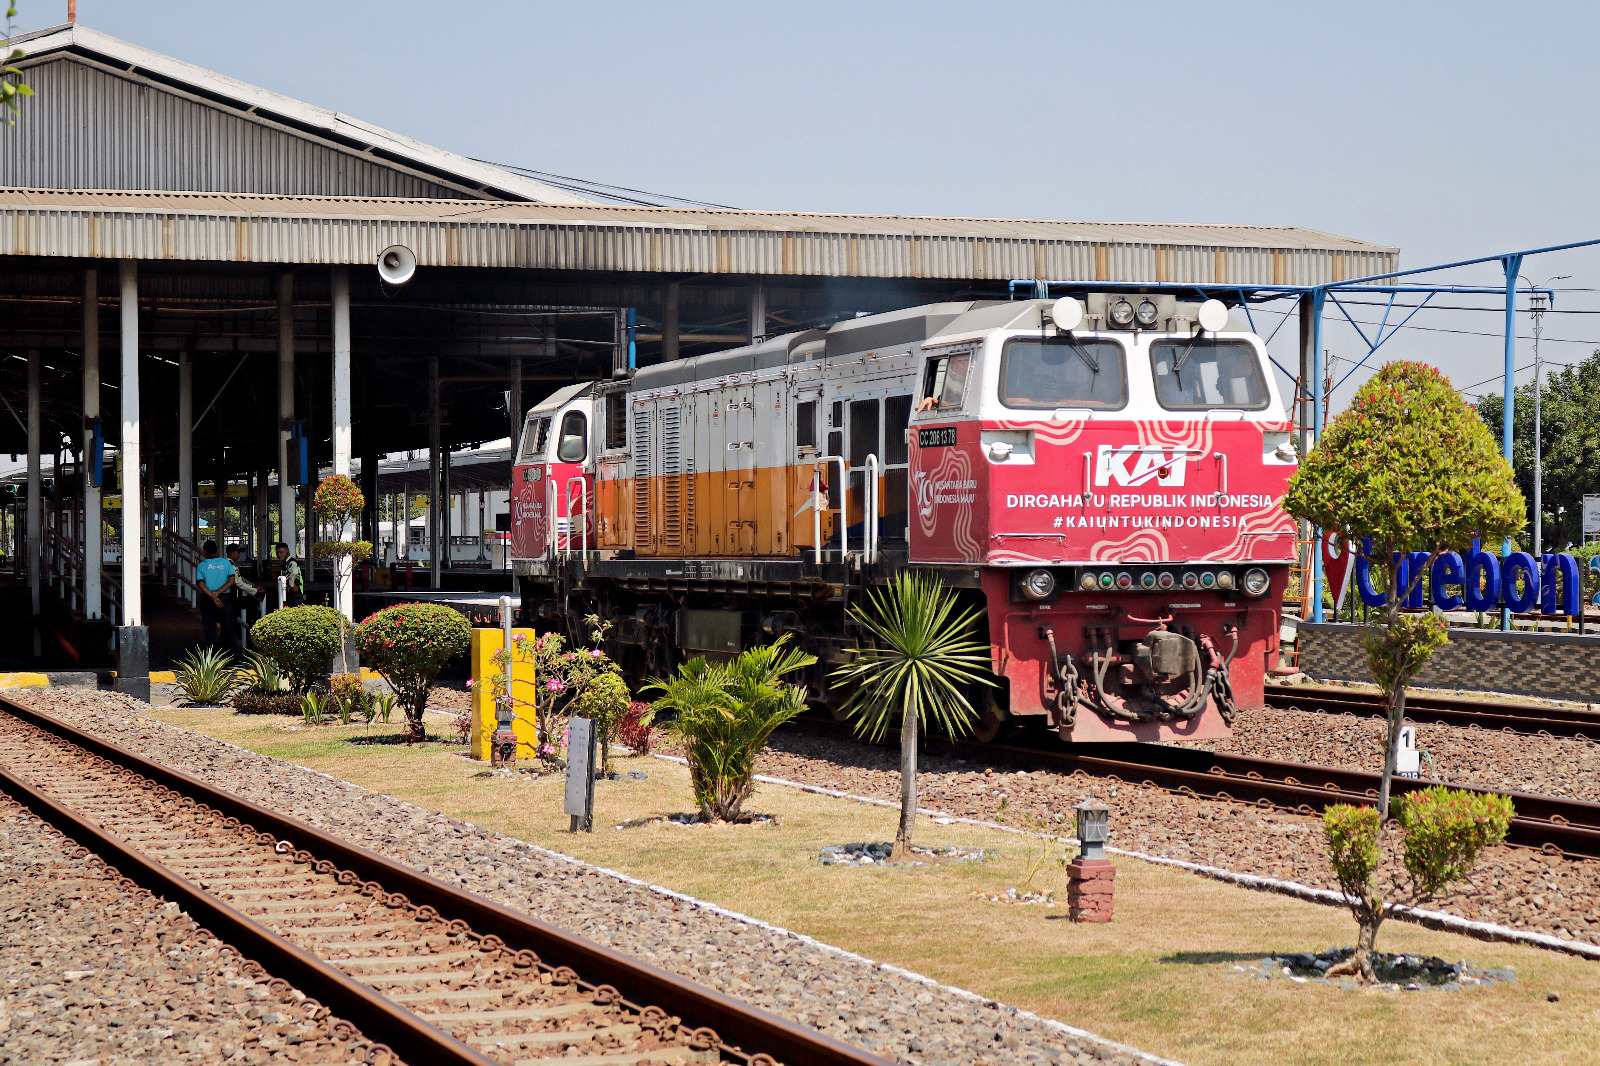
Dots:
pixel 1537 304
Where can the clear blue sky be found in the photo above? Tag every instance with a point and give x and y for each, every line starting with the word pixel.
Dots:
pixel 1450 130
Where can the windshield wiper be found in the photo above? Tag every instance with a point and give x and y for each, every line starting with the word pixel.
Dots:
pixel 1092 363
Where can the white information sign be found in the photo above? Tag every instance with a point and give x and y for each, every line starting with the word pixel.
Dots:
pixel 1408 760
pixel 1591 515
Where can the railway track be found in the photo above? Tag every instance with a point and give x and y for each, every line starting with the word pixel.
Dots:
pixel 1551 824
pixel 1509 717
pixel 438 975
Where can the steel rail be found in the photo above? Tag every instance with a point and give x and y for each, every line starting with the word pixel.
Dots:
pixel 1507 717
pixel 1551 824
pixel 752 1030
pixel 405 1033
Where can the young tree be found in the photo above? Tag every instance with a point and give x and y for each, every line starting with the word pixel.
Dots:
pixel 1408 467
pixel 925 658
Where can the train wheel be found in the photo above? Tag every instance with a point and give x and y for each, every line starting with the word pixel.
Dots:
pixel 992 718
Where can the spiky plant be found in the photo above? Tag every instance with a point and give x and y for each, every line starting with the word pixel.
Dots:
pixel 725 713
pixel 923 659
pixel 205 678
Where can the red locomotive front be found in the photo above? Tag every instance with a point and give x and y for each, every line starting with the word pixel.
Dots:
pixel 1120 492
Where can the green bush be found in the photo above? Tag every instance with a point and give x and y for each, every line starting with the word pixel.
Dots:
pixel 302 641
pixel 247 702
pixel 351 697
pixel 1446 830
pixel 1352 835
pixel 605 699
pixel 407 644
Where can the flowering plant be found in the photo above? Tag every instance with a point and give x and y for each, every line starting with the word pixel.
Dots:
pixel 337 498
pixel 564 677
pixel 407 644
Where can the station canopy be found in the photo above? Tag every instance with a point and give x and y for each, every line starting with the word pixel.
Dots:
pixel 219 188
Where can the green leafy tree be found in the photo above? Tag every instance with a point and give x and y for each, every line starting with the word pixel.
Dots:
pixel 605 700
pixel 408 644
pixel 1569 432
pixel 12 87
pixel 725 713
pixel 1408 467
pixel 921 660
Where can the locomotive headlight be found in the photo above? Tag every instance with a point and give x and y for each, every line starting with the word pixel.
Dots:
pixel 1121 313
pixel 1146 314
pixel 1039 585
pixel 1255 582
pixel 1225 580
pixel 1088 582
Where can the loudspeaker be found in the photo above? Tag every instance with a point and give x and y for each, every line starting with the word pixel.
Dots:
pixel 396 264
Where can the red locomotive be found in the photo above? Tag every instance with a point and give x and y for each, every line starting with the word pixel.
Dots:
pixel 1103 476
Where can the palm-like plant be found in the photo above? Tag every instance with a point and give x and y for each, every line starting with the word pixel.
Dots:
pixel 916 675
pixel 725 713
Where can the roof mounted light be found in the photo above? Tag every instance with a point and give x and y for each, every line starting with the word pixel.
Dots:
pixel 1121 313
pixel 1067 314
pixel 1145 314
pixel 1213 315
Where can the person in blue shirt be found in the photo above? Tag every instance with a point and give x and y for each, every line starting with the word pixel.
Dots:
pixel 215 577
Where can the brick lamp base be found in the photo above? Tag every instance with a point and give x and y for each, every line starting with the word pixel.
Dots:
pixel 1089 890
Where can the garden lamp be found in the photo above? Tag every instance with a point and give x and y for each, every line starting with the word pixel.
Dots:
pixel 1094 826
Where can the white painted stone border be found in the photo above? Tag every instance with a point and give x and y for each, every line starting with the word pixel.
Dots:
pixel 1432 919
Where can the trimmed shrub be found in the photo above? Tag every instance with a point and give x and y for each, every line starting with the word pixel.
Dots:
pixel 1446 830
pixel 302 641
pixel 407 644
pixel 248 702
pixel 1352 835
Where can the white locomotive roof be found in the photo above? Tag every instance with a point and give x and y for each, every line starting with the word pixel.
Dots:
pixel 560 397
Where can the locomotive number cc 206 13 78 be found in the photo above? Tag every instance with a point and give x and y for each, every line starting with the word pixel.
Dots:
pixel 937 437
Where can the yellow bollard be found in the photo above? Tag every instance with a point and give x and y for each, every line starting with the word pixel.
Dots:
pixel 485 642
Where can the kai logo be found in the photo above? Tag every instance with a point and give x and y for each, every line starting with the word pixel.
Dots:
pixel 1131 465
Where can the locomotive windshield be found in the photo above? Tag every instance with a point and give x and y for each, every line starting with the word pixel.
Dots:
pixel 1063 372
pixel 1203 373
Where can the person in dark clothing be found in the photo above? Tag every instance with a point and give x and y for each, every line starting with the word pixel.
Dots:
pixel 294 580
pixel 214 578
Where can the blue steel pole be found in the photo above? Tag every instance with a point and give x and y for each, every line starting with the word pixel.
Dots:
pixel 633 335
pixel 1318 298
pixel 1513 265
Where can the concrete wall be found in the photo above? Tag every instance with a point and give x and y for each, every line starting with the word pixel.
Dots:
pixel 1552 665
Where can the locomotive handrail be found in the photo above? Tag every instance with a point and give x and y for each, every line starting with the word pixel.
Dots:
pixel 552 535
pixel 1222 474
pixel 870 526
pixel 844 502
pixel 583 504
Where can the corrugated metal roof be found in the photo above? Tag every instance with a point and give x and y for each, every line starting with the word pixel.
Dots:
pixel 312 229
pixel 197 97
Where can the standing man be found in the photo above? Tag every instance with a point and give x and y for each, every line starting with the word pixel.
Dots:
pixel 215 576
pixel 289 570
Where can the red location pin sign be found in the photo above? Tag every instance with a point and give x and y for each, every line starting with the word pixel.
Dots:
pixel 1338 563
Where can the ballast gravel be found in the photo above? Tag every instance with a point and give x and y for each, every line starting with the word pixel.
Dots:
pixel 889 1014
pixel 92 972
pixel 1510 886
pixel 1490 758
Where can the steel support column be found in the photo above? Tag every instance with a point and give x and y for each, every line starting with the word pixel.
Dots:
pixel 758 310
pixel 343 565
pixel 93 550
pixel 286 508
pixel 434 570
pixel 133 639
pixel 1318 298
pixel 669 322
pixel 186 488
pixel 34 562
pixel 1513 265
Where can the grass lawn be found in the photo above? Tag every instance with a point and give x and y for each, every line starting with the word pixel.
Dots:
pixel 1155 978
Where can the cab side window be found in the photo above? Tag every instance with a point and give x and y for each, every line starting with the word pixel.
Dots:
pixel 542 440
pixel 616 421
pixel 573 444
pixel 944 382
pixel 805 424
